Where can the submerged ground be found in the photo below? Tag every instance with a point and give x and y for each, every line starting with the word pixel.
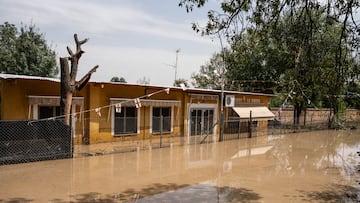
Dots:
pixel 319 166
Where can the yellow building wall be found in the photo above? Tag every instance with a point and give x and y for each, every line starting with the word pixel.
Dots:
pixel 15 102
pixel 15 105
pixel 90 128
pixel 101 127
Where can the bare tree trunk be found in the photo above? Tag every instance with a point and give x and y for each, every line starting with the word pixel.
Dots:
pixel 297 113
pixel 68 78
pixel 66 94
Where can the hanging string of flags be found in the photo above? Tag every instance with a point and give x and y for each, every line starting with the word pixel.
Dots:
pixel 117 106
pixel 97 110
pixel 137 103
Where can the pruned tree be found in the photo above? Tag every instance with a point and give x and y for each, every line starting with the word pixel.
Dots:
pixel 68 77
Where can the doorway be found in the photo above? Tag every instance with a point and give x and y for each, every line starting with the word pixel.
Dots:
pixel 201 121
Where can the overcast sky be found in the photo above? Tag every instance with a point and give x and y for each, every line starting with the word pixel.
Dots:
pixel 128 38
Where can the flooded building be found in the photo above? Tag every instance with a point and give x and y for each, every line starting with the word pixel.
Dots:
pixel 105 112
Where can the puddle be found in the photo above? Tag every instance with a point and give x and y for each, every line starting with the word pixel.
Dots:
pixel 319 166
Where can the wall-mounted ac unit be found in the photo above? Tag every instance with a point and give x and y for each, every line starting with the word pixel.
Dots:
pixel 230 100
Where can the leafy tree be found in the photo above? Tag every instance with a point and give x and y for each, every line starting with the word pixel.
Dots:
pixel 209 74
pixel 180 82
pixel 25 52
pixel 143 81
pixel 297 27
pixel 117 79
pixel 256 63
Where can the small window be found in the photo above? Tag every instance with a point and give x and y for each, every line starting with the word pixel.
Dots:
pixel 161 119
pixel 126 121
pixel 48 111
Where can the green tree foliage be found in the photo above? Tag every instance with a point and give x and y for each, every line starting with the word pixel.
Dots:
pixel 25 52
pixel 117 79
pixel 209 74
pixel 308 46
pixel 256 63
pixel 180 82
pixel 143 81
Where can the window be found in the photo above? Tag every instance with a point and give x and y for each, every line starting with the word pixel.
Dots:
pixel 125 121
pixel 161 119
pixel 48 111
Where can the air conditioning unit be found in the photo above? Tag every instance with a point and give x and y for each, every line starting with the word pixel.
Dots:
pixel 230 100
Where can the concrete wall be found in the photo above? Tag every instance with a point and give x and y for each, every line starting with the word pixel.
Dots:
pixel 312 116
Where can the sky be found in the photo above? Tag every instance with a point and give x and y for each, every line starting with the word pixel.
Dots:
pixel 127 38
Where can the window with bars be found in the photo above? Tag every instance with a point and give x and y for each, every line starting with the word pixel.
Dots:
pixel 125 122
pixel 161 119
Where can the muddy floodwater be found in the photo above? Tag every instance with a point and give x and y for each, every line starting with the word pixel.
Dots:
pixel 320 166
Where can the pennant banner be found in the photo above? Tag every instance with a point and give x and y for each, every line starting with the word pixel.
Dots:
pixel 76 116
pixel 97 110
pixel 118 108
pixel 137 103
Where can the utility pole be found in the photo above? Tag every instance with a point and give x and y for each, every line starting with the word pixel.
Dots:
pixel 222 75
pixel 176 63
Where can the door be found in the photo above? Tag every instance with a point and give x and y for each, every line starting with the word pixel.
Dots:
pixel 201 122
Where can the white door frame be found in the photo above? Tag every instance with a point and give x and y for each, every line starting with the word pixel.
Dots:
pixel 201 106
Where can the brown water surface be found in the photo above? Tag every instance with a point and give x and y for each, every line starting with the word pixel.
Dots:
pixel 319 166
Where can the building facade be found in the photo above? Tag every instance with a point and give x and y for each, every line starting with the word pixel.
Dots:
pixel 111 112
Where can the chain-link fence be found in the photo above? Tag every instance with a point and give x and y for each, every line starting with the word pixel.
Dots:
pixel 117 135
pixel 108 137
pixel 284 123
pixel 237 129
pixel 26 141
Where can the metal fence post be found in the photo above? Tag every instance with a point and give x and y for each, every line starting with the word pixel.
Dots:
pixel 161 129
pixel 250 125
pixel 239 128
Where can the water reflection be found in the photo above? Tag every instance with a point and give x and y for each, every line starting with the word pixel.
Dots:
pixel 329 152
pixel 291 168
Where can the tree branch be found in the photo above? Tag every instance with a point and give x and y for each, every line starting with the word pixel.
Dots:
pixel 76 39
pixel 83 81
pixel 71 53
pixel 84 41
pixel 338 56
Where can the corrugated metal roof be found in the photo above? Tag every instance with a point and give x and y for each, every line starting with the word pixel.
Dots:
pixel 189 90
pixel 27 77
